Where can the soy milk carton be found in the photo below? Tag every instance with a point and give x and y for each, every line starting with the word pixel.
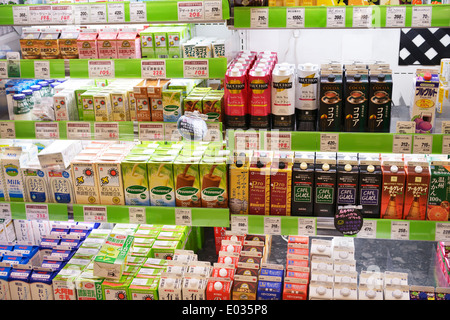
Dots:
pixel 60 185
pixel 214 182
pixel 109 177
pixel 84 177
pixel 135 180
pixel 161 180
pixel 187 181
pixel 35 183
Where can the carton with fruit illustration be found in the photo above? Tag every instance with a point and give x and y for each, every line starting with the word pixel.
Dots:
pixel 423 110
pixel 439 195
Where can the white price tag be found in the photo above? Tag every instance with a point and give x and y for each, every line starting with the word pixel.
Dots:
pixel 5 211
pixel 368 229
pixel 246 141
pixel 445 129
pixel 442 232
pixel 395 16
pixel 7 130
pixel 153 69
pixel 239 224
pixel 78 130
pixel 171 132
pixel 402 143
pixel 41 69
pixel 40 14
pixel 138 11
pixel 214 132
pixel 259 17
pixel 295 17
pixel 81 14
pixel 213 10
pixel 149 131
pixel 137 215
pixel 106 131
pixel 445 144
pixel 95 214
pixel 190 10
pixel 98 13
pixel 400 230
pixel 272 225
pixel 36 211
pixel 278 141
pixel 46 130
pixel 116 12
pixel 421 16
pixel 335 17
pixel 362 17
pixel 329 142
pixel 101 69
pixel 195 68
pixel 3 69
pixel 62 14
pixel 183 217
pixel 423 144
pixel 20 15
pixel 406 127
pixel 306 226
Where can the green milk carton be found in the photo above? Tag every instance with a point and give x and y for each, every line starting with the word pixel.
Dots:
pixel 135 180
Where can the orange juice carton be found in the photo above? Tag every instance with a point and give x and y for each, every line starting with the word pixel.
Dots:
pixel 194 287
pixel 320 290
pixel 87 44
pixel 244 287
pixel 423 111
pixel 128 44
pixel 393 189
pixel 416 189
pixel 295 288
pixel 438 203
pixel 219 289
pixel 223 270
pixel 107 44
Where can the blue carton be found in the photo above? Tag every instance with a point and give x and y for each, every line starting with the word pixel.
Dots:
pixel 15 259
pixel 26 251
pixel 19 283
pixel 41 284
pixel 269 288
pixel 66 254
pixel 54 263
pixel 5 249
pixel 4 284
pixel 72 243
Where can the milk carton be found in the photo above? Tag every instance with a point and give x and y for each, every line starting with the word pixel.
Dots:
pixel 41 285
pixel 88 286
pixel 60 185
pixel 170 286
pixel 19 283
pixel 107 44
pixel 5 293
pixel 7 233
pixel 84 179
pixel 35 183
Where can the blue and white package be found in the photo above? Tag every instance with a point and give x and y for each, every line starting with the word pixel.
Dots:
pixel 4 284
pixel 19 283
pixel 41 284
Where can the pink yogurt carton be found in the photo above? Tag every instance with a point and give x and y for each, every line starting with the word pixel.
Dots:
pixel 87 45
pixel 128 45
pixel 107 45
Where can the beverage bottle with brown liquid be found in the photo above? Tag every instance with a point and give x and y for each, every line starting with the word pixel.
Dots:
pixel 414 211
pixel 391 210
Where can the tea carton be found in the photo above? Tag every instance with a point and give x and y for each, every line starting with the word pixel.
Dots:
pixel 87 44
pixel 416 189
pixel 283 98
pixel 393 189
pixel 380 100
pixel 370 180
pixel 325 184
pixel 260 98
pixel 187 181
pixel 68 44
pixel 214 183
pixel 423 111
pixel 107 44
pixel 161 180
pixel 303 184
pixel 236 100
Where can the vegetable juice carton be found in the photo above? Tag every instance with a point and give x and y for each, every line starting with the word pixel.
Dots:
pixel 330 103
pixel 303 184
pixel 370 180
pixel 102 106
pixel 281 187
pixel 236 99
pixel 347 178
pixel 187 181
pixel 423 111
pixel 238 177
pixel 259 186
pixel 380 100
pixel 416 189
pixel 438 199
pixel 259 102
pixel 128 45
pixel 107 44
pixel 135 180
pixel 85 181
pixel 214 182
pixel 325 184
pixel 87 45
pixel 109 179
pixel 161 180
pixel 356 91
pixel 393 188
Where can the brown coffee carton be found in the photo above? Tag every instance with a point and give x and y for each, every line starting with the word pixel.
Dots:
pixel 238 179
pixel 187 181
pixel 68 44
pixel 244 287
pixel 214 182
pixel 29 43
pixel 259 186
pixel 303 184
pixel 280 187
pixel 49 43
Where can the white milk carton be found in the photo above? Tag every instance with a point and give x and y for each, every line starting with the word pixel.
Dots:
pixel 7 232
pixel 170 286
pixel 59 154
pixel 60 185
pixel 35 182
pixel 19 282
pixel 5 270
pixel 41 284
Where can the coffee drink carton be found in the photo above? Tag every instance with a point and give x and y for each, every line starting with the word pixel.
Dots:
pixel 380 100
pixel 347 179
pixel 187 181
pixel 370 180
pixel 238 179
pixel 325 184
pixel 214 182
pixel 303 184
pixel 330 100
pixel 259 186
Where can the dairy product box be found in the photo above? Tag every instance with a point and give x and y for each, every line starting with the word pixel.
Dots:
pixel 19 283
pixel 194 287
pixel 87 45
pixel 116 289
pixel 5 293
pixel 164 249
pixel 128 45
pixel 107 44
pixel 109 175
pixel 29 44
pixel 41 284
pixel 59 154
pixel 219 289
pixel 85 182
pixel 49 43
pixel 135 180
pixel 143 289
pixel 170 286
pixel 7 232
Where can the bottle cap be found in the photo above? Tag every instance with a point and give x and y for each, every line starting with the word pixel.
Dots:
pixel 370 168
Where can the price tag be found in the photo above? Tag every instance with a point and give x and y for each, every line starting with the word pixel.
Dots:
pixel 78 130
pixel 272 225
pixel 278 141
pixel 41 69
pixel 295 17
pixel 246 141
pixel 402 143
pixel 400 230
pixel 445 129
pixel 421 16
pixel 406 127
pixel 3 69
pixel 395 16
pixel 5 211
pixel 195 68
pixel 183 217
pixel 239 224
pixel 190 10
pixel 137 215
pixel 95 214
pixel 40 14
pixel 171 132
pixel 362 17
pixel 149 131
pixel 306 226
pixel 423 144
pixel 335 17
pixel 329 142
pixel 62 14
pixel 445 144
pixel 36 211
pixel 138 11
pixel 81 14
pixel 368 229
pixel 153 69
pixel 101 69
pixel 106 131
pixel 7 130
pixel 213 10
pixel 20 15
pixel 214 132
pixel 442 232
pixel 259 17
pixel 46 130
pixel 98 13
pixel 116 12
